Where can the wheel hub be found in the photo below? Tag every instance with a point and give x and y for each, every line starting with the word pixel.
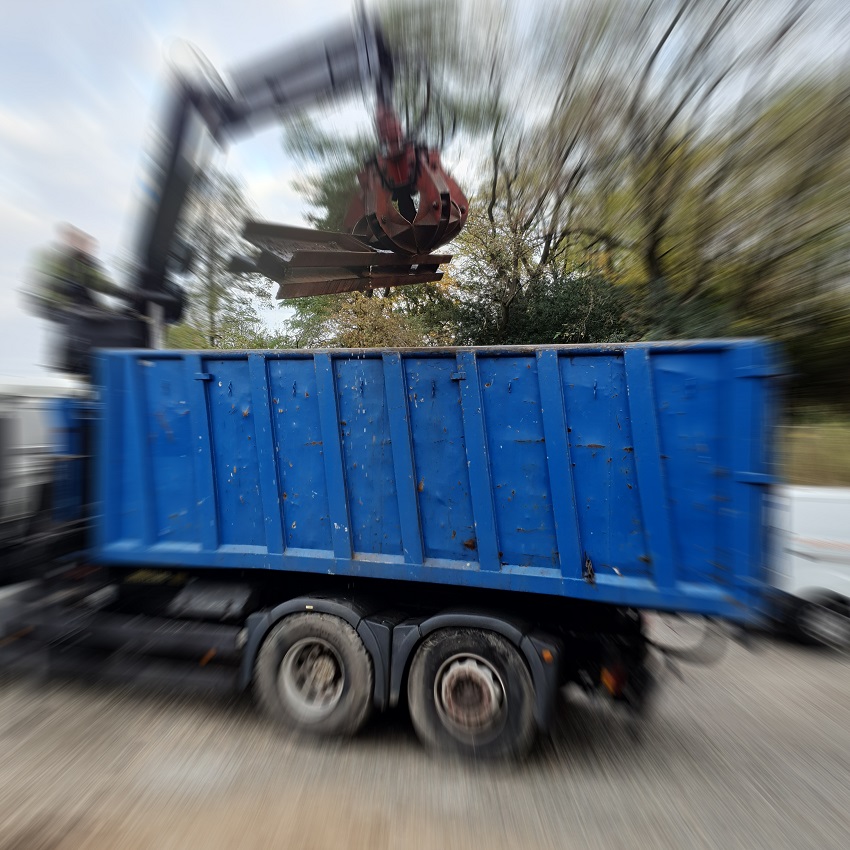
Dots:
pixel 311 678
pixel 469 693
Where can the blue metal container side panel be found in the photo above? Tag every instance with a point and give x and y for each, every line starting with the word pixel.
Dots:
pixel 599 432
pixel 297 445
pixel 695 459
pixel 168 426
pixel 520 476
pixel 432 396
pixel 367 456
pixel 232 417
pixel 628 474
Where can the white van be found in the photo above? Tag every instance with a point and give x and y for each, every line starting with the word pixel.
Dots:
pixel 810 560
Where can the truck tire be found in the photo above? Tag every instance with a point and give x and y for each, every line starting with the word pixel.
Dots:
pixel 313 674
pixel 824 622
pixel 470 693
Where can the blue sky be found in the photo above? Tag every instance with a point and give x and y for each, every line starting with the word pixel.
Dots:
pixel 81 81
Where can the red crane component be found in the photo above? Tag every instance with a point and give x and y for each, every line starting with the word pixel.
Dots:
pixel 408 203
pixel 407 206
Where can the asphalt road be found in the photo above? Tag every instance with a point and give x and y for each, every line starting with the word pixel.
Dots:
pixel 753 752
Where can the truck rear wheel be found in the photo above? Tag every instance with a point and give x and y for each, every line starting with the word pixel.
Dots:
pixel 825 622
pixel 470 693
pixel 314 674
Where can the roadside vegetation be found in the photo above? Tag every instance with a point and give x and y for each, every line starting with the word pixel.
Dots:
pixel 815 453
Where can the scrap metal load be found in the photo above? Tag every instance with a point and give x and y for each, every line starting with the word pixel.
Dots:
pixel 314 262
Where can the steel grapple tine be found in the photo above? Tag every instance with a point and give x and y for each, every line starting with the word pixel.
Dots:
pixel 407 202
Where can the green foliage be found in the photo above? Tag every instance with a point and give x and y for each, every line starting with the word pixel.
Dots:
pixel 573 307
pixel 507 293
pixel 185 336
pixel 815 334
pixel 330 195
pixel 329 190
pixel 237 331
pixel 414 316
pixel 816 454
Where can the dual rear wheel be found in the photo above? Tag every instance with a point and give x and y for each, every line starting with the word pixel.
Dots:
pixel 470 693
pixel 469 690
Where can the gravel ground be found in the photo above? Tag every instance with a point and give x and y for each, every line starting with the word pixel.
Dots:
pixel 751 753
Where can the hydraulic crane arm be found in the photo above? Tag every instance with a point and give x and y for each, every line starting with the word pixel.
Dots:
pixel 204 106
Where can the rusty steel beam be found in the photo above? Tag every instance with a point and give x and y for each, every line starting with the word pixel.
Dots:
pixel 308 262
pixel 326 286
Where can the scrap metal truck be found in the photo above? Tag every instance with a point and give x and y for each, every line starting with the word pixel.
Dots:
pixel 465 530
pixel 462 530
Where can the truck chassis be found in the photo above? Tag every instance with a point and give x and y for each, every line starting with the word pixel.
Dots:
pixel 480 678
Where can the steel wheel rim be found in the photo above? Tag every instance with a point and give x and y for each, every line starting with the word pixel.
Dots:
pixel 470 697
pixel 311 678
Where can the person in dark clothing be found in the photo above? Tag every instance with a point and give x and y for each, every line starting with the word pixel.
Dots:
pixel 67 273
pixel 66 284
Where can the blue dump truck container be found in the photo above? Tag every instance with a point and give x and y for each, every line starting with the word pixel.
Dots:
pixel 466 528
pixel 626 474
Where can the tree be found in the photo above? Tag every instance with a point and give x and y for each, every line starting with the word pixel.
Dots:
pixel 698 159
pixel 223 309
pixel 722 143
pixel 565 299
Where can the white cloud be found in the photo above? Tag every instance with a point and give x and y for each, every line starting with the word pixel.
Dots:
pixel 20 132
